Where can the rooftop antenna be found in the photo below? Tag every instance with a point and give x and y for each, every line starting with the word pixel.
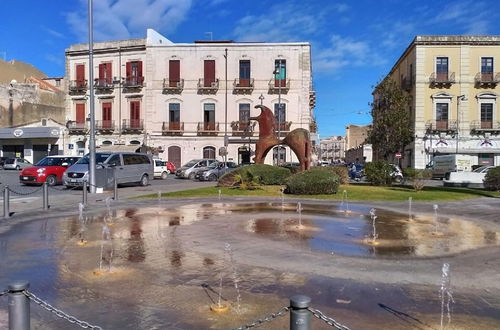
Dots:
pixel 211 34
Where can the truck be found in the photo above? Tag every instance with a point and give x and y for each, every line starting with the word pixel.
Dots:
pixel 445 164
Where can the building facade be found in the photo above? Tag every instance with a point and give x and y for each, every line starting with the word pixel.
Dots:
pixel 332 149
pixel 188 101
pixel 453 83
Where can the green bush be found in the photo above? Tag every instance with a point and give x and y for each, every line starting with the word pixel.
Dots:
pixel 378 173
pixel 341 171
pixel 312 182
pixel 417 177
pixel 264 174
pixel 492 179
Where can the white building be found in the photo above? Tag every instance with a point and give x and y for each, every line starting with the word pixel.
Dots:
pixel 332 149
pixel 174 97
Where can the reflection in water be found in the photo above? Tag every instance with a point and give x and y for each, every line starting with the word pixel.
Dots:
pixel 136 250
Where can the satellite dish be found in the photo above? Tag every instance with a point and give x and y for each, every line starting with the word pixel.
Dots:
pixel 13 81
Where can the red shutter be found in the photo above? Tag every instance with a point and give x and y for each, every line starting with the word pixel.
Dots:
pixel 109 73
pixel 128 70
pixel 80 75
pixel 174 72
pixel 106 115
pixel 140 78
pixel 80 113
pixel 101 72
pixel 135 114
pixel 209 72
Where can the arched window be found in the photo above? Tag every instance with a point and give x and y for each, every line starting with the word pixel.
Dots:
pixel 209 152
pixel 279 155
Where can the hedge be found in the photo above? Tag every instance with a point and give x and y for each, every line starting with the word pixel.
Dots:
pixel 264 174
pixel 492 179
pixel 312 182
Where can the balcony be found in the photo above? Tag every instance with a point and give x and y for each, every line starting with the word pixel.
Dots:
pixel 312 99
pixel 103 86
pixel 208 128
pixel 208 86
pixel 243 86
pixel 132 83
pixel 173 86
pixel 487 80
pixel 77 87
pixel 313 127
pixel 284 126
pixel 479 127
pixel 279 86
pixel 105 126
pixel 242 128
pixel 441 126
pixel 442 79
pixel 76 128
pixel 407 83
pixel 132 126
pixel 172 128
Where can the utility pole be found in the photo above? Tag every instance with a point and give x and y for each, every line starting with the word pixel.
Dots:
pixel 91 104
pixel 226 139
pixel 459 98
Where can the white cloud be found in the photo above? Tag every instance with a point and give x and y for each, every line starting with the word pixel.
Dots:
pixel 125 19
pixel 53 32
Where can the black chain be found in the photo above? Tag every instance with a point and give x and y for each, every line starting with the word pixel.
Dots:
pixel 20 193
pixel 4 292
pixel 268 318
pixel 328 320
pixel 65 188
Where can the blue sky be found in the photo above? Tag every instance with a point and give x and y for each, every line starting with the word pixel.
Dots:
pixel 354 43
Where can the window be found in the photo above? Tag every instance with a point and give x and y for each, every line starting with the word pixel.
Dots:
pixel 80 113
pixel 209 73
pixel 279 155
pixel 486 64
pixel 280 73
pixel 174 72
pixel 114 160
pixel 244 115
pixel 209 152
pixel 133 73
pixel 174 112
pixel 244 73
pixel 209 112
pixel 442 115
pixel 80 75
pixel 486 115
pixel 105 74
pixel 280 115
pixel 106 115
pixel 442 68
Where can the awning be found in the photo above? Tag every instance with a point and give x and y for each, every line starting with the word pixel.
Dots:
pixel 119 148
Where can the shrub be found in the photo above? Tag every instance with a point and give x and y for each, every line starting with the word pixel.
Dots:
pixel 378 173
pixel 417 177
pixel 492 179
pixel 312 182
pixel 341 171
pixel 265 174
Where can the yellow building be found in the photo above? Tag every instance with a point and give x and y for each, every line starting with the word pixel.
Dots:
pixel 454 83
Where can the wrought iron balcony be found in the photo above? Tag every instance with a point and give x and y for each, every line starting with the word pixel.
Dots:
pixel 442 79
pixel 312 99
pixel 437 126
pixel 173 86
pixel 489 79
pixel 103 85
pixel 242 128
pixel 105 126
pixel 78 86
pixel 133 82
pixel 172 128
pixel 76 128
pixel 279 86
pixel 485 127
pixel 208 86
pixel 208 128
pixel 243 86
pixel 132 125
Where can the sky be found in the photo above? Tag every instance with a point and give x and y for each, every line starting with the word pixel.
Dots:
pixel 354 43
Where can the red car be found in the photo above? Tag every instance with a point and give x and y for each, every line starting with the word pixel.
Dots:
pixel 170 167
pixel 49 169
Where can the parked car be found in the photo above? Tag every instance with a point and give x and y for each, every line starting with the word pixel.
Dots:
pixel 163 168
pixel 214 171
pixel 469 179
pixel 49 169
pixel 129 167
pixel 16 164
pixel 2 160
pixel 188 170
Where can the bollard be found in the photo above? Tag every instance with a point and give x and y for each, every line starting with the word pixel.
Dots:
pixel 85 192
pixel 19 306
pixel 45 196
pixel 115 190
pixel 300 317
pixel 6 202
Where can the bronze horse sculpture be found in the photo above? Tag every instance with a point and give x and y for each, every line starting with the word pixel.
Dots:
pixel 298 140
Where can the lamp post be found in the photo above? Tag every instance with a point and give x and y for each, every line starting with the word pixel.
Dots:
pixel 91 105
pixel 277 72
pixel 459 98
pixel 226 139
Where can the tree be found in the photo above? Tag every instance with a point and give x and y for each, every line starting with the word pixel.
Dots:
pixel 392 126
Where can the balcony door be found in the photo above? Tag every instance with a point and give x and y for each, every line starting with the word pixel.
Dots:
pixel 174 72
pixel 209 73
pixel 174 116
pixel 442 68
pixel 244 73
pixel 134 73
pixel 442 116
pixel 135 114
pixel 80 75
pixel 106 115
pixel 209 116
pixel 487 68
pixel 280 73
pixel 486 115
pixel 80 114
pixel 105 74
pixel 244 116
pixel 280 115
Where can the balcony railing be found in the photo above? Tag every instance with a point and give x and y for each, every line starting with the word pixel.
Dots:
pixel 208 86
pixel 105 125
pixel 441 79
pixel 132 125
pixel 441 126
pixel 485 126
pixel 76 128
pixel 78 86
pixel 312 99
pixel 407 83
pixel 489 79
pixel 279 86
pixel 173 86
pixel 242 128
pixel 208 128
pixel 133 82
pixel 284 126
pixel 103 85
pixel 243 86
pixel 172 128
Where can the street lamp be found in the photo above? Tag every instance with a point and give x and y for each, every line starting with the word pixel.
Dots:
pixel 92 164
pixel 276 72
pixel 459 98
pixel 226 139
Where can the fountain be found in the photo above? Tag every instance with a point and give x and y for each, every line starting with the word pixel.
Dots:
pixel 282 191
pixel 159 197
pixel 436 221
pixel 81 207
pixel 234 274
pixel 106 255
pixel 299 211
pixel 220 194
pixel 445 294
pixel 344 205
pixel 409 208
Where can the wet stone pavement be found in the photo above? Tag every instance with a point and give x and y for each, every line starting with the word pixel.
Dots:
pixel 162 264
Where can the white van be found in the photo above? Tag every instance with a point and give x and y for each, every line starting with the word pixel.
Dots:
pixel 130 167
pixel 444 164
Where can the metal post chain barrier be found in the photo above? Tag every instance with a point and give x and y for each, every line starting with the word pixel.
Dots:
pixel 6 202
pixel 58 312
pixel 300 318
pixel 64 188
pixel 115 186
pixel 268 318
pixel 85 194
pixel 20 193
pixel 326 319
pixel 19 306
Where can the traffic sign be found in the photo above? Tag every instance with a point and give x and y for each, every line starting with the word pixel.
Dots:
pixel 398 155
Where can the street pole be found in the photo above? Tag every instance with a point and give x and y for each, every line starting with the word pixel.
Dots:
pixel 459 98
pixel 226 142
pixel 91 104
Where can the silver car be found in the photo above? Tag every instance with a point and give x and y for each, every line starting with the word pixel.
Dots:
pixel 16 164
pixel 214 171
pixel 188 170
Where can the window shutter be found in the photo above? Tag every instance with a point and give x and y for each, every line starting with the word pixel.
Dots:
pixel 128 70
